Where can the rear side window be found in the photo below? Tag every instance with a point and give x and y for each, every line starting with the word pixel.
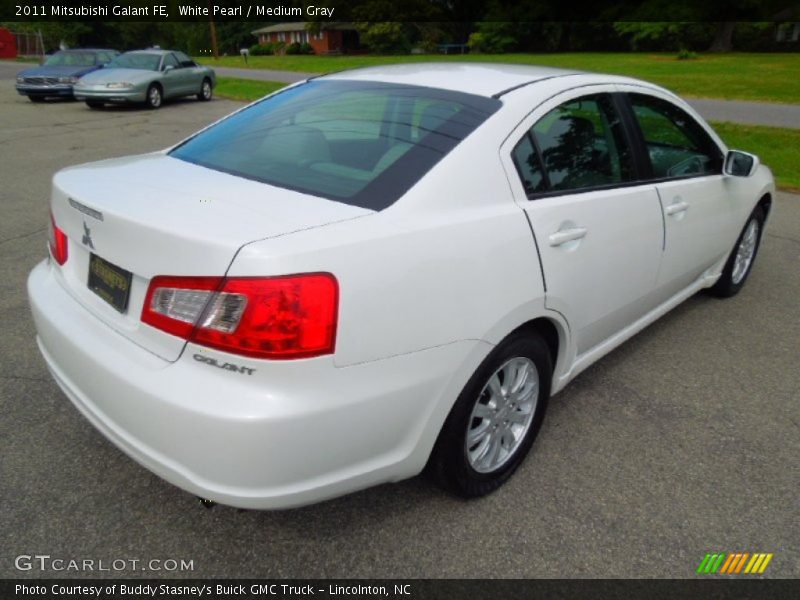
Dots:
pixel 676 144
pixel 579 145
pixel 526 159
pixel 362 143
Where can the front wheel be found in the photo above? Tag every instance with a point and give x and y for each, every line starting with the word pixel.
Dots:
pixel 742 257
pixel 36 99
pixel 154 97
pixel 94 104
pixel 205 91
pixel 495 419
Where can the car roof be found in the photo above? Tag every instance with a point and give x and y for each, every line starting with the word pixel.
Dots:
pixel 158 51
pixel 87 50
pixel 483 79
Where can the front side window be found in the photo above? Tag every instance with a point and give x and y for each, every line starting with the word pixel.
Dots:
pixel 578 145
pixel 184 60
pixel 170 61
pixel 362 143
pixel 676 144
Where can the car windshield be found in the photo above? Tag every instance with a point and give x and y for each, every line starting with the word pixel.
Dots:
pixel 148 62
pixel 359 142
pixel 70 59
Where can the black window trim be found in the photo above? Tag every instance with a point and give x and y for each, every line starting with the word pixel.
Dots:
pixel 642 166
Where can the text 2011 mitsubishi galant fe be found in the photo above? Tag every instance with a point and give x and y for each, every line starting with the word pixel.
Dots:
pixel 382 271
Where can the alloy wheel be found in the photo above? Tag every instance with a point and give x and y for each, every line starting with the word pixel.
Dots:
pixel 745 252
pixel 154 97
pixel 502 415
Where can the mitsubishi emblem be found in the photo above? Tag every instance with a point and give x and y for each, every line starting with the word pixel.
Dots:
pixel 86 240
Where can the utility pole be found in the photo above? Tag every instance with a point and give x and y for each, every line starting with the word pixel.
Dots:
pixel 213 29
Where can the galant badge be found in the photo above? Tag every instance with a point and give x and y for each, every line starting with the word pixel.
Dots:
pixel 86 240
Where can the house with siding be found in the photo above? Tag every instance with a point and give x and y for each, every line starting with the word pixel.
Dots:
pixel 332 38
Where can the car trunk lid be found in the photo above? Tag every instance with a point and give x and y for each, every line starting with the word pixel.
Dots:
pixel 157 215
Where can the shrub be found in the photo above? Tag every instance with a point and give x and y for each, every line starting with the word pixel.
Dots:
pixel 385 37
pixel 294 48
pixel 493 38
pixel 685 54
pixel 306 48
pixel 262 49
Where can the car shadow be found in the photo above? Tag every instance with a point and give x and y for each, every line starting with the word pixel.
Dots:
pixel 167 104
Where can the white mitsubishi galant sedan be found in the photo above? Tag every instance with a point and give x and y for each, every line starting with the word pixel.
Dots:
pixel 382 271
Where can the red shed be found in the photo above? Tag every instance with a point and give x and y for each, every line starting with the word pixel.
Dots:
pixel 8 44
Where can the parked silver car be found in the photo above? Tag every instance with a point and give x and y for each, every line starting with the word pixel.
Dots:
pixel 147 76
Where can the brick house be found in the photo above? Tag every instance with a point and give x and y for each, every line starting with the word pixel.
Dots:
pixel 333 38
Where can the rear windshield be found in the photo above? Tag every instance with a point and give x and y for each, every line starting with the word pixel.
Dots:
pixel 361 143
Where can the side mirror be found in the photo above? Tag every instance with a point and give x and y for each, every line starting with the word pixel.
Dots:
pixel 740 164
pixel 168 68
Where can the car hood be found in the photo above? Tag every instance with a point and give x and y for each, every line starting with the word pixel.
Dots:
pixel 117 75
pixel 56 71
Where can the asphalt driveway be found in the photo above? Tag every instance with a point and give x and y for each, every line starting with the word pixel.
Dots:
pixel 684 441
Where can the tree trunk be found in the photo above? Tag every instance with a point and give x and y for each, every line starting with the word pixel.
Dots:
pixel 723 37
pixel 213 30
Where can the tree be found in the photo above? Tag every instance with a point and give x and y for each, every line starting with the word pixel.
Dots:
pixel 723 37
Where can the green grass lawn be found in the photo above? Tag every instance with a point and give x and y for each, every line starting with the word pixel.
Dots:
pixel 245 89
pixel 767 77
pixel 777 148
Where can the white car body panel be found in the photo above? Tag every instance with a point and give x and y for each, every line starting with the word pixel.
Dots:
pixel 428 286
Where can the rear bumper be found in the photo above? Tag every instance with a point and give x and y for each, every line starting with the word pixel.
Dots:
pixel 293 433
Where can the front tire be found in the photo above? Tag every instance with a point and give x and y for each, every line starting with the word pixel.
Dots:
pixel 740 262
pixel 495 419
pixel 36 99
pixel 154 97
pixel 94 104
pixel 206 91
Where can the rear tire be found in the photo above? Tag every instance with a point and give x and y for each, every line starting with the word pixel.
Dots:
pixel 94 104
pixel 740 262
pixel 495 419
pixel 206 91
pixel 154 97
pixel 36 99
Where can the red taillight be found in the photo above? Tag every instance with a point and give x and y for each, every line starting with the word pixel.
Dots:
pixel 58 242
pixel 293 316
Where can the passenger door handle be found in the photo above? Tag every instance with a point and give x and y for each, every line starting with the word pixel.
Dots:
pixel 567 235
pixel 677 207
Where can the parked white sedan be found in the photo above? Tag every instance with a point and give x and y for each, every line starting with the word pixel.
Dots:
pixel 380 270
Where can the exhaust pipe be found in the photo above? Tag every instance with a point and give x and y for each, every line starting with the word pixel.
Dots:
pixel 207 504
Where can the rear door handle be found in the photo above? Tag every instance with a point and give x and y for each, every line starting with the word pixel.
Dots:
pixel 567 235
pixel 676 207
